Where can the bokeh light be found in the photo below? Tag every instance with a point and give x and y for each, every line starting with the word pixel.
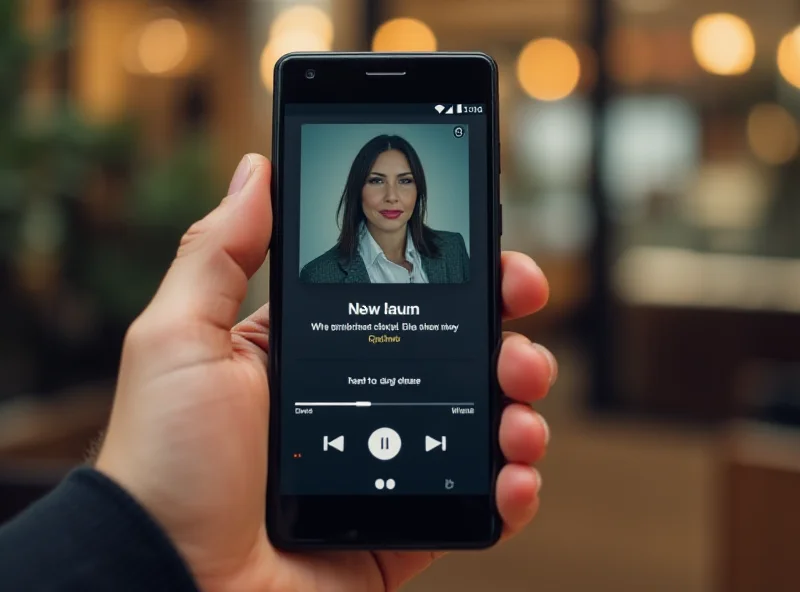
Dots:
pixel 404 34
pixel 288 42
pixel 163 45
pixel 723 44
pixel 772 133
pixel 305 18
pixel 789 57
pixel 548 69
pixel 299 28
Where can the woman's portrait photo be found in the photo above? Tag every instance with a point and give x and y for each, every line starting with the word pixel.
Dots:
pixel 375 216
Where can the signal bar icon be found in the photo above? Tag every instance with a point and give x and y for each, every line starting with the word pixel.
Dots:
pixel 449 109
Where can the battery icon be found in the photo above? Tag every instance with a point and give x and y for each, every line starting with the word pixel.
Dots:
pixel 458 108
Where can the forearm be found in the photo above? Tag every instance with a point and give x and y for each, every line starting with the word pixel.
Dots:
pixel 89 534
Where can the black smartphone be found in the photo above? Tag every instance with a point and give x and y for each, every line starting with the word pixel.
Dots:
pixel 385 302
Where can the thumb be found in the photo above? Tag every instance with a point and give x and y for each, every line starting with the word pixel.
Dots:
pixel 207 282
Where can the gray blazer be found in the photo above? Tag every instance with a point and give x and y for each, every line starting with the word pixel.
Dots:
pixel 450 267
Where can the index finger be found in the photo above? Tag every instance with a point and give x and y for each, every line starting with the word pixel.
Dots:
pixel 524 286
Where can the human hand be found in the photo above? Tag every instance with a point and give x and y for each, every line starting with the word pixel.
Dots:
pixel 188 430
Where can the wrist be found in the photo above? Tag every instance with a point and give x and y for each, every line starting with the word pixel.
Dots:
pixel 93 534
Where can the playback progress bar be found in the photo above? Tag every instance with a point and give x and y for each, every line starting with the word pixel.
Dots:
pixel 383 404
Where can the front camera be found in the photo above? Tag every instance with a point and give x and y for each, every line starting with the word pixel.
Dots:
pixel 310 74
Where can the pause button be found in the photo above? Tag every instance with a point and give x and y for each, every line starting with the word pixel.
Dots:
pixel 384 443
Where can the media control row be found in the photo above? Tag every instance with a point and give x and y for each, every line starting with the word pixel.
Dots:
pixel 384 443
pixel 390 484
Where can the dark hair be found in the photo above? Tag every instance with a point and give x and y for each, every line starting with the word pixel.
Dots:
pixel 351 212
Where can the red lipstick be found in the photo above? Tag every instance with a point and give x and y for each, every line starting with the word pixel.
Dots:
pixel 391 214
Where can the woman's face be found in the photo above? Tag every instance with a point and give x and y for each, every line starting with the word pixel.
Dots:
pixel 390 192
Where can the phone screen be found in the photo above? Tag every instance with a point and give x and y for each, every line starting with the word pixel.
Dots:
pixel 385 317
pixel 385 345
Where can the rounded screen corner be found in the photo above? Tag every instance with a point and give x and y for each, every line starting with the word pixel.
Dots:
pixel 488 60
pixel 285 59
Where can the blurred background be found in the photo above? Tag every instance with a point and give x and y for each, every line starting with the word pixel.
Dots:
pixel 650 166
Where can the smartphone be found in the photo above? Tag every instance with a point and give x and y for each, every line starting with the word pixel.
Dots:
pixel 385 302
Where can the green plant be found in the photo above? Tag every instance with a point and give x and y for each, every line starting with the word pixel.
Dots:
pixel 87 222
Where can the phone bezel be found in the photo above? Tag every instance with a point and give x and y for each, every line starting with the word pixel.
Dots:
pixel 418 522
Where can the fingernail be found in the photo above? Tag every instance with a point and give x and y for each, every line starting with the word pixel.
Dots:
pixel 551 360
pixel 546 429
pixel 241 176
pixel 538 480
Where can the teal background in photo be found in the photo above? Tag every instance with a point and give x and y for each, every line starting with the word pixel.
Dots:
pixel 328 151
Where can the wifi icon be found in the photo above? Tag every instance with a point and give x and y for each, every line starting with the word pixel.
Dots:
pixel 439 108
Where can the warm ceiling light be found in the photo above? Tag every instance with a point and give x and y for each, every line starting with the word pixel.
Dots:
pixel 404 34
pixel 789 57
pixel 300 28
pixel 772 133
pixel 163 45
pixel 307 18
pixel 723 44
pixel 291 40
pixel 548 69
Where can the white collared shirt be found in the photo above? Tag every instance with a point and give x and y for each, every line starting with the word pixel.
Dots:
pixel 383 271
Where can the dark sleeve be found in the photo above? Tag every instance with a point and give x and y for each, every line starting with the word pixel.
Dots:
pixel 89 535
